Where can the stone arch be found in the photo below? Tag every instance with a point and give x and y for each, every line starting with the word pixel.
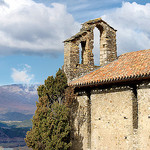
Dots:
pixel 85 37
pixel 107 39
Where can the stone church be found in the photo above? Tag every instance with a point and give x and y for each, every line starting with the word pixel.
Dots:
pixel 113 111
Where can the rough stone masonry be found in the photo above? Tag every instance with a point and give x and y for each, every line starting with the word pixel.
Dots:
pixel 108 50
pixel 112 111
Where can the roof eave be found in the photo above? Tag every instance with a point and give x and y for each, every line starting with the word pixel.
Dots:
pixel 118 80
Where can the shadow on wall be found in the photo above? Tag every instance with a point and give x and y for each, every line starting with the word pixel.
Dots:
pixel 77 120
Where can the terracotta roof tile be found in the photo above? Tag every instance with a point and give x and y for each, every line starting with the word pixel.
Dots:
pixel 128 65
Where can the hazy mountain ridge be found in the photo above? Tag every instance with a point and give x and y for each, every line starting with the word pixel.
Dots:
pixel 15 116
pixel 18 98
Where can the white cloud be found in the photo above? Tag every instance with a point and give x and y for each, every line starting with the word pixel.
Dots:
pixel 32 28
pixel 22 75
pixel 132 22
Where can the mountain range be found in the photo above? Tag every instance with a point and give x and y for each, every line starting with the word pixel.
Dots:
pixel 17 101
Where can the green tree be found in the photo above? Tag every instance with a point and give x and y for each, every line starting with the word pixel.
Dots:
pixel 51 129
pixel 54 87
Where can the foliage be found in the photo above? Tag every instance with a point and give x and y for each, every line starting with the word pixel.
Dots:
pixel 54 87
pixel 51 127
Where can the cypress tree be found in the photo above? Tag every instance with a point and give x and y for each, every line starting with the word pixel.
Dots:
pixel 51 128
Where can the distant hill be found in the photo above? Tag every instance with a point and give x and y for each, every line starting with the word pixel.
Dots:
pixel 17 101
pixel 15 116
pixel 12 137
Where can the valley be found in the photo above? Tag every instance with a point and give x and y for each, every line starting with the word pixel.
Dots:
pixel 18 104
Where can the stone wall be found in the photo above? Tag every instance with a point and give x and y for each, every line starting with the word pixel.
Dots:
pixel 112 118
pixel 143 94
pixel 85 37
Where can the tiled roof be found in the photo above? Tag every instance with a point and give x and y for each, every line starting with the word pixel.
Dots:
pixel 131 65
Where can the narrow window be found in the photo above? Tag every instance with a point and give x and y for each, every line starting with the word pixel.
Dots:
pixel 82 52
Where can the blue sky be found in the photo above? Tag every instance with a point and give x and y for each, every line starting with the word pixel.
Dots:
pixel 32 33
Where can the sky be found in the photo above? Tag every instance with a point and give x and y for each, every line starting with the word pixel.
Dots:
pixel 32 33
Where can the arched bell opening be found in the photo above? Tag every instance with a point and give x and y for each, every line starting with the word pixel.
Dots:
pixel 97 33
